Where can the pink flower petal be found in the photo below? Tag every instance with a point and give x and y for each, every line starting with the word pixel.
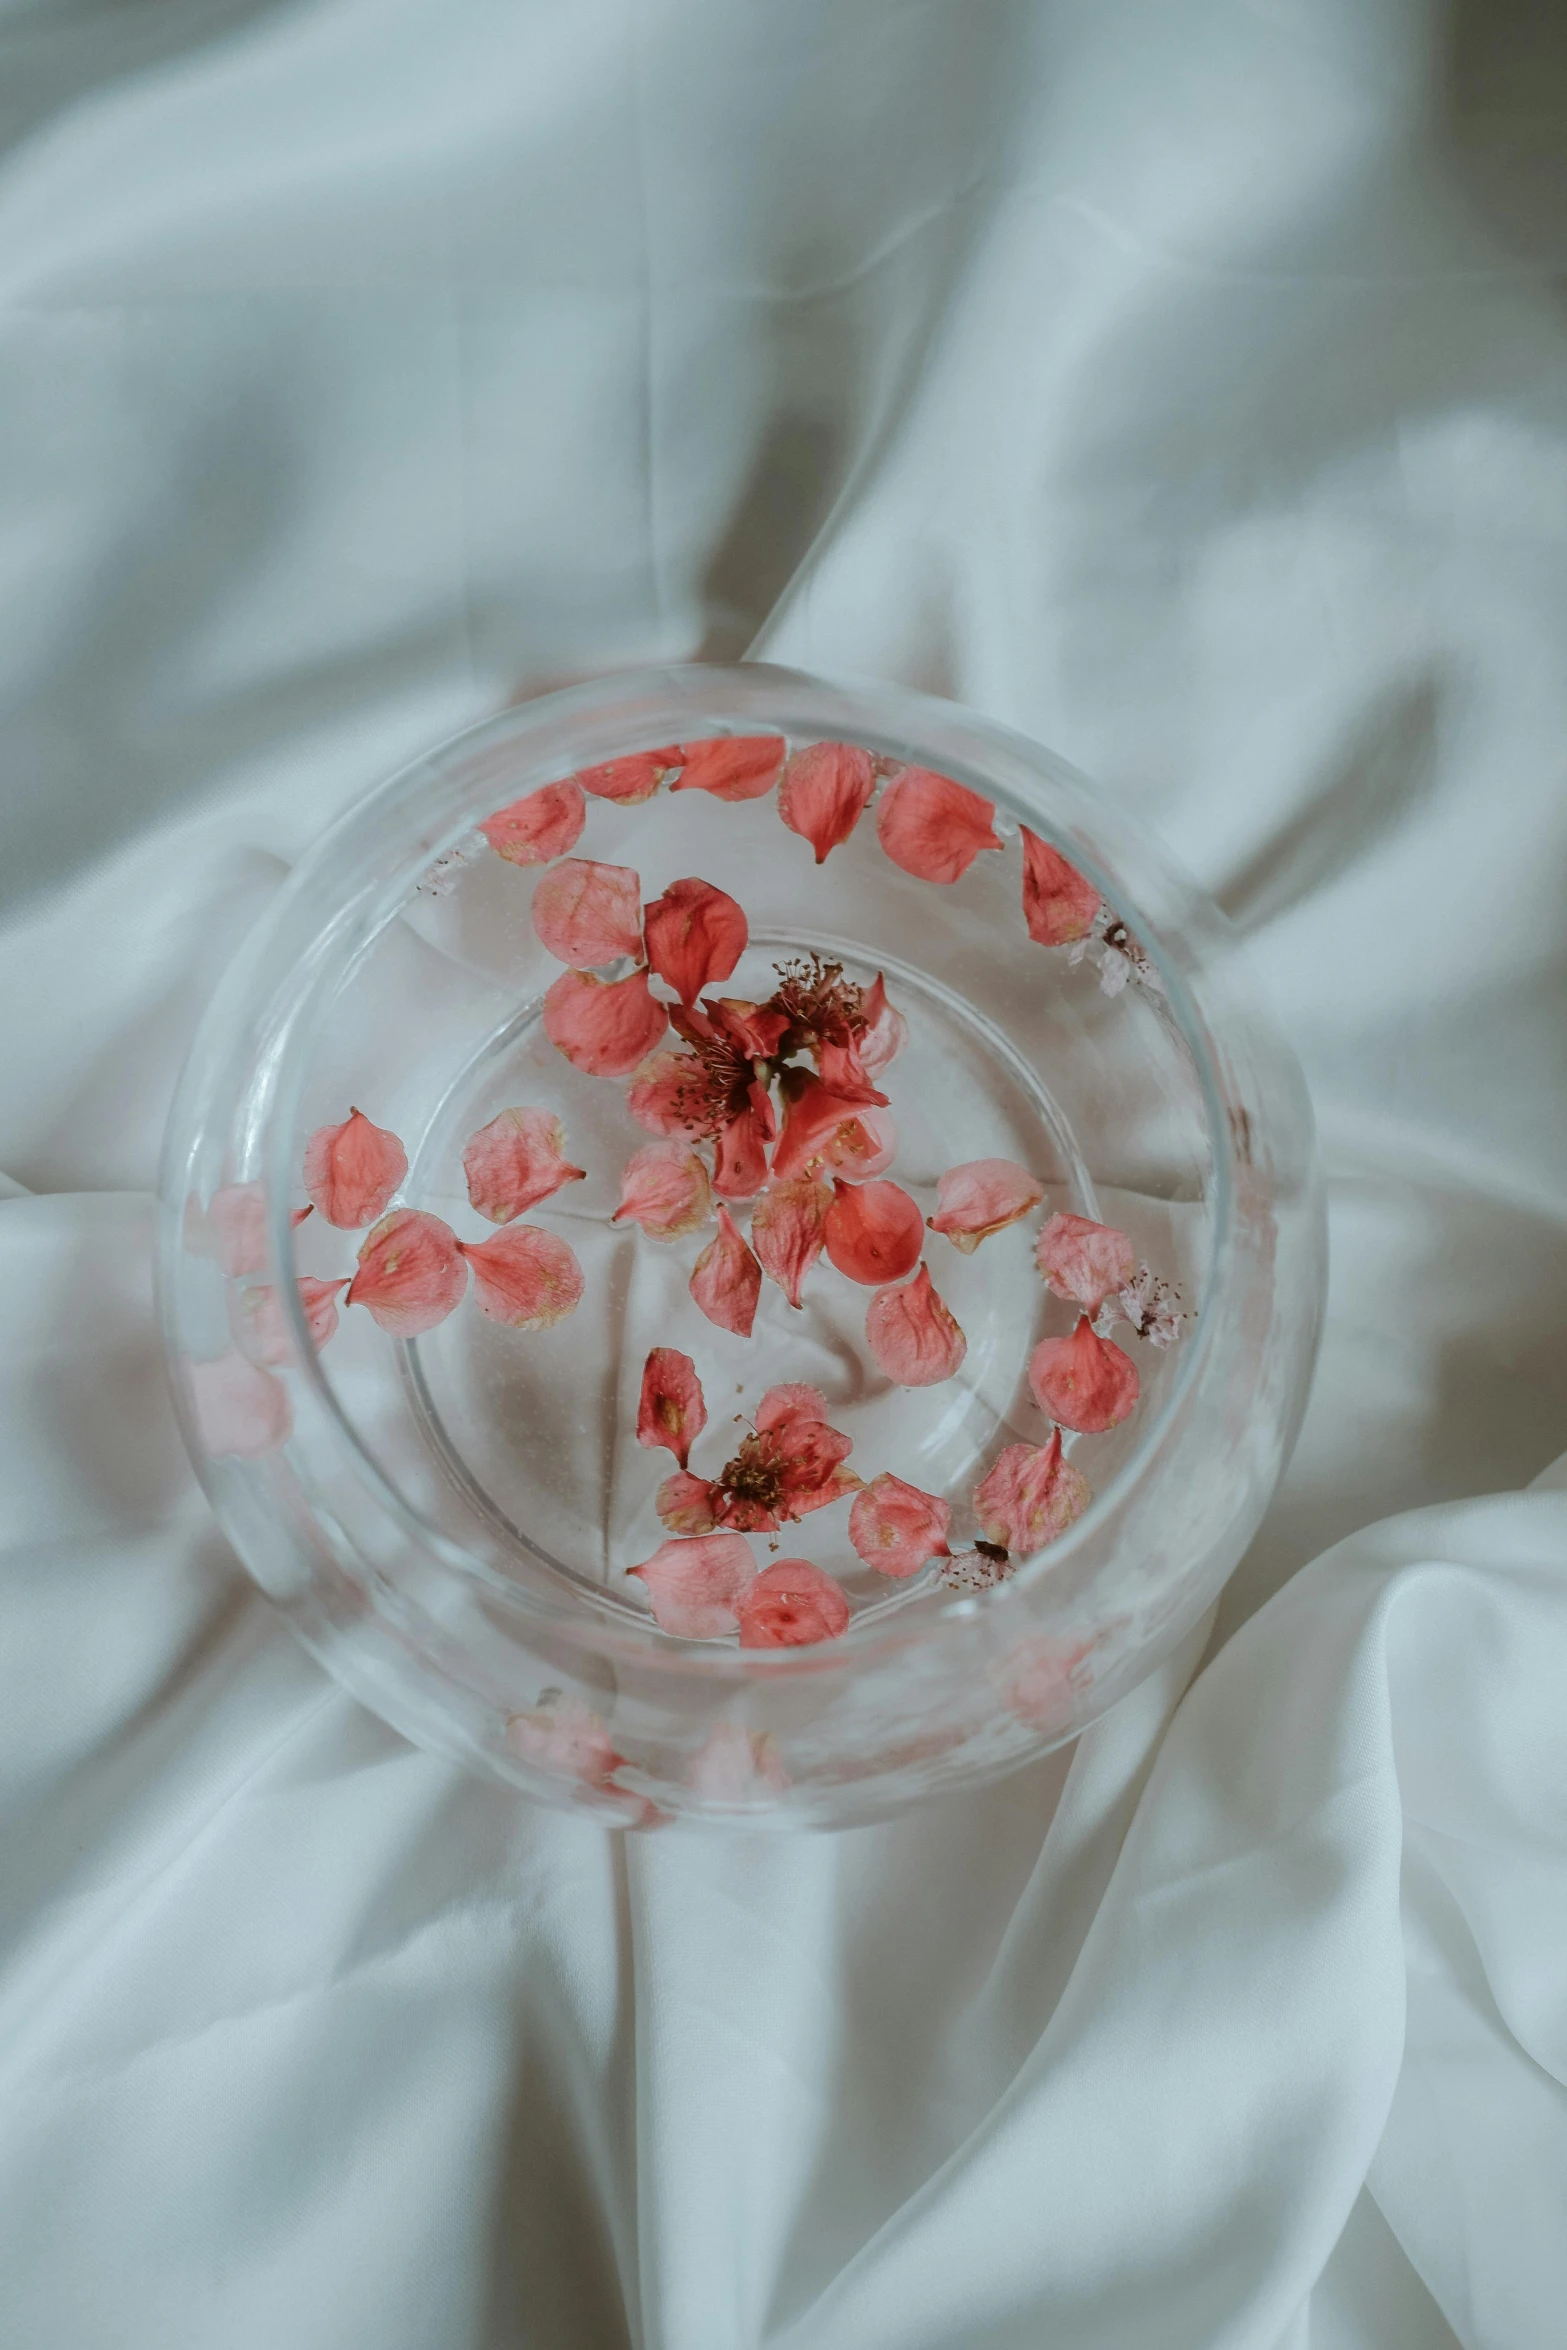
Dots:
pixel 734 1765
pixel 525 1277
pixel 263 1333
pixel 1083 1381
pixel 694 1586
pixel 1030 1495
pixel 792 1401
pixel 791 1605
pixel 825 792
pixel 874 1232
pixel 695 936
pixel 863 1146
pixel 885 1033
pixel 605 1027
pixel 932 827
pixel 843 1072
pixel 667 1096
pixel 1058 904
pixel 664 1187
pixel 982 1197
pixel 912 1336
pixel 896 1528
pixel 754 1028
pixel 733 767
pixel 787 1229
pixel 241 1410
pixel 515 1161
pixel 727 1280
pixel 670 1410
pixel 352 1170
pixel 539 827
pixel 812 1117
pixel 1084 1261
pixel 233 1228
pixel 687 1504
pixel 588 914
pixel 411 1273
pixel 564 1736
pixel 740 1157
pixel 631 779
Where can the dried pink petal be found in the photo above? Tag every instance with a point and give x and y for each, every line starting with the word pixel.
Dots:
pixel 241 1410
pixel 1084 1261
pixel 911 1334
pixel 515 1161
pixel 694 1586
pixel 734 1764
pixel 812 1117
pixel 885 1033
pixel 588 914
pixel 727 1280
pixel 233 1228
pixel 824 793
pixel 664 1187
pixel 791 1605
pixel 932 827
pixel 667 1096
pixel 629 780
pixel 263 1332
pixel 526 1278
pixel 791 1401
pixel 687 1504
pixel 352 1170
pixel 982 1197
pixel 732 767
pixel 670 1410
pixel 1058 904
pixel 874 1232
pixel 1031 1494
pixel 605 1027
pixel 1083 1381
pixel 787 1229
pixel 896 1528
pixel 541 826
pixel 740 1156
pixel 411 1273
pixel 564 1736
pixel 695 935
pixel 863 1146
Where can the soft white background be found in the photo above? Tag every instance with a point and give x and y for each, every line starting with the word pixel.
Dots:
pixel 1184 381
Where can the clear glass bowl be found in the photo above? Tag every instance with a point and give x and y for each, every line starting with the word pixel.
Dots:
pixel 448 1520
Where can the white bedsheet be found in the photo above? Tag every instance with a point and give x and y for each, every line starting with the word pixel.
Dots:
pixel 1185 383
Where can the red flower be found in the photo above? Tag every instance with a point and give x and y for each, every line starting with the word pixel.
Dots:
pixel 790 1465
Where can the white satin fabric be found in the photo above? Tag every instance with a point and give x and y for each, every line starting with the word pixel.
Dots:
pixel 1185 384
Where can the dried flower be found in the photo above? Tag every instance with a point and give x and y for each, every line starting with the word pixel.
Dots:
pixel 791 1605
pixel 539 827
pixel 896 1528
pixel 670 1410
pixel 874 1232
pixel 1153 1307
pixel 695 935
pixel 824 792
pixel 411 1273
pixel 913 1337
pixel 694 1586
pixel 589 914
pixel 1030 1495
pixel 982 1197
pixel 1083 1261
pixel 516 1161
pixel 789 1466
pixel 664 1187
pixel 732 767
pixel 352 1170
pixel 605 1027
pixel 1058 904
pixel 525 1277
pixel 932 827
pixel 787 1229
pixel 969 1572
pixel 727 1280
pixel 1083 1381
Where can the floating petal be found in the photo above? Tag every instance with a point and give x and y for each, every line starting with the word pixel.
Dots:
pixel 632 779
pixel 525 1277
pixel 1083 1381
pixel 565 1737
pixel 541 826
pixel 668 1096
pixel 982 1197
pixel 885 1033
pixel 792 1401
pixel 1084 1261
pixel 932 827
pixel 976 1570
pixel 515 1161
pixel 664 1187
pixel 896 1528
pixel 874 1232
pixel 843 1072
pixel 735 1764
pixel 605 1027
pixel 1031 1495
pixel 740 1158
pixel 670 1411
pixel 787 1230
pixel 589 914
pixel 411 1273
pixel 825 792
pixel 1058 904
pixel 791 1605
pixel 352 1170
pixel 694 1586
pixel 687 1504
pixel 912 1336
pixel 733 767
pixel 863 1146
pixel 812 1117
pixel 241 1410
pixel 263 1332
pixel 727 1280
pixel 695 935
